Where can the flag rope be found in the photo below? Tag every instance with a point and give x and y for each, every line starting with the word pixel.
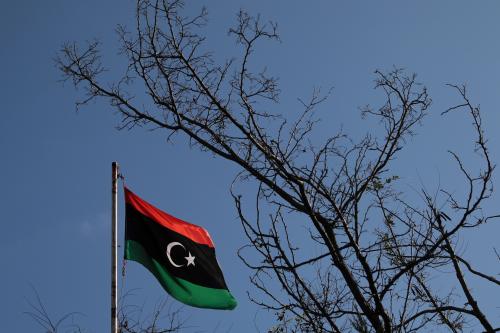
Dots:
pixel 124 261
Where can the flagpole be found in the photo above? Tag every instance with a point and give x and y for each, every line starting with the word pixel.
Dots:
pixel 114 251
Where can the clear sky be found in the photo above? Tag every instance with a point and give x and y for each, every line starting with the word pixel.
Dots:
pixel 55 163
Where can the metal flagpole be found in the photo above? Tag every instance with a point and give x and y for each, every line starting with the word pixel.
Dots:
pixel 114 250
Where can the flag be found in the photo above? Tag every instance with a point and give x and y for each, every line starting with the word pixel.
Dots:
pixel 179 254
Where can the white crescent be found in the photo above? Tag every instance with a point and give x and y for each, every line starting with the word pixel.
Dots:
pixel 169 248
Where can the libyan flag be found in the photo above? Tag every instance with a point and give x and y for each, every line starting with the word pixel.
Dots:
pixel 179 254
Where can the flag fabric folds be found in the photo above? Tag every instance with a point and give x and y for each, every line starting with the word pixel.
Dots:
pixel 179 254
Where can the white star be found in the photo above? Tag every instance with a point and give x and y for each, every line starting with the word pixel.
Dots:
pixel 190 259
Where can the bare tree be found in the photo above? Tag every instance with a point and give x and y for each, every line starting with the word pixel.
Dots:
pixel 369 253
pixel 164 318
pixel 39 313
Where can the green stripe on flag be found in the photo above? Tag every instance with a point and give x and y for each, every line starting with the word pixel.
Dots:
pixel 182 290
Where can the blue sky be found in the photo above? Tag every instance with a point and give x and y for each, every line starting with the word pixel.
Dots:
pixel 55 167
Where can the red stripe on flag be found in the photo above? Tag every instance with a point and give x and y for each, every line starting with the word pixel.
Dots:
pixel 191 231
